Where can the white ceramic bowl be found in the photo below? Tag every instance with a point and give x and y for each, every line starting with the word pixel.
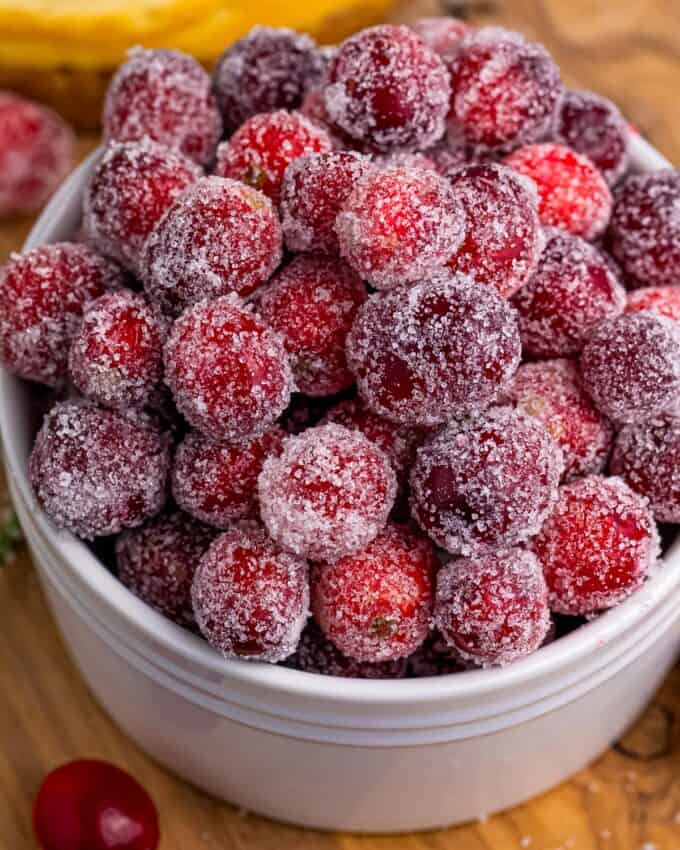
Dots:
pixel 378 756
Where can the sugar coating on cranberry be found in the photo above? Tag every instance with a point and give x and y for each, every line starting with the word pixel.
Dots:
pixel 436 351
pixel 630 366
pixel 95 471
pixel 644 234
pixel 488 480
pixel 251 600
pixel 42 296
pixel 573 194
pixel 157 562
pixel 592 125
pixel 229 373
pixel 311 304
pixel 443 35
pixel 573 289
pixel 216 482
pixel 116 357
pixel 646 456
pixel 127 194
pixel 664 300
pixel 314 189
pixel 219 237
pixel 503 235
pixel 261 149
pixel 405 159
pixel 37 150
pixel 399 225
pixel 551 392
pixel 269 68
pixel 493 608
pixel 597 546
pixel 328 493
pixel 164 95
pixel 317 654
pixel 388 90
pixel 376 605
pixel 435 658
pixel 505 89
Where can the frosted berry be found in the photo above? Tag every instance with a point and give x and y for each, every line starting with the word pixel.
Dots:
pixel 399 225
pixel 164 95
pixel 442 349
pixel 229 373
pixel 157 563
pixel 127 194
pixel 493 608
pixel 489 480
pixel 443 35
pixel 42 296
pixel 311 304
pixel 597 546
pixel 314 189
pixel 631 366
pixel 573 290
pixel 251 600
pixel 219 237
pixel 95 471
pixel 503 236
pixel 573 194
pixel 261 149
pixel 116 357
pixel 217 482
pixel 504 89
pixel 551 392
pixel 269 68
pixel 92 804
pixel 663 300
pixel 376 605
pixel 37 150
pixel 328 493
pixel 388 90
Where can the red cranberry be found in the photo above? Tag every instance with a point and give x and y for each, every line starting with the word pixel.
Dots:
pixel 443 35
pixel 663 300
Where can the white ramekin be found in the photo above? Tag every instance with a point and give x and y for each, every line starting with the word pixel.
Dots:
pixel 378 756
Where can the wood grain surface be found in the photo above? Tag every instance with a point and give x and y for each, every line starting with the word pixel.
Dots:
pixel 628 800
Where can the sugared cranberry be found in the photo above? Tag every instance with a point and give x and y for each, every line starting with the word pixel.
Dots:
pixel 631 366
pixel 42 296
pixel 435 658
pixel 251 600
pixel 166 96
pixel 436 351
pixel 573 290
pixel 328 493
pixel 229 373
pixel 37 150
pixel 551 392
pixel 597 546
pixel 592 125
pixel 644 234
pixel 217 482
pixel 127 194
pixel 504 89
pixel 95 471
pixel 157 563
pixel 573 194
pixel 503 236
pixel 493 608
pixel 399 225
pixel 311 304
pixel 219 237
pixel 488 480
pixel 116 357
pixel 261 149
pixel 92 805
pixel 269 68
pixel 663 300
pixel 443 35
pixel 314 189
pixel 376 605
pixel 387 89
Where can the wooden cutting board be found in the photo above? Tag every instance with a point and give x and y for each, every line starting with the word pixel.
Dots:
pixel 628 800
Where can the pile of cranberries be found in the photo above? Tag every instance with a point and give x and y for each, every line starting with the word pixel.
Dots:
pixel 370 356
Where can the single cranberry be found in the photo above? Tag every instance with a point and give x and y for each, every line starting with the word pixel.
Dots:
pixel 443 35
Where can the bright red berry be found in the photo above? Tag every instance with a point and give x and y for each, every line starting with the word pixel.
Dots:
pixel 443 35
